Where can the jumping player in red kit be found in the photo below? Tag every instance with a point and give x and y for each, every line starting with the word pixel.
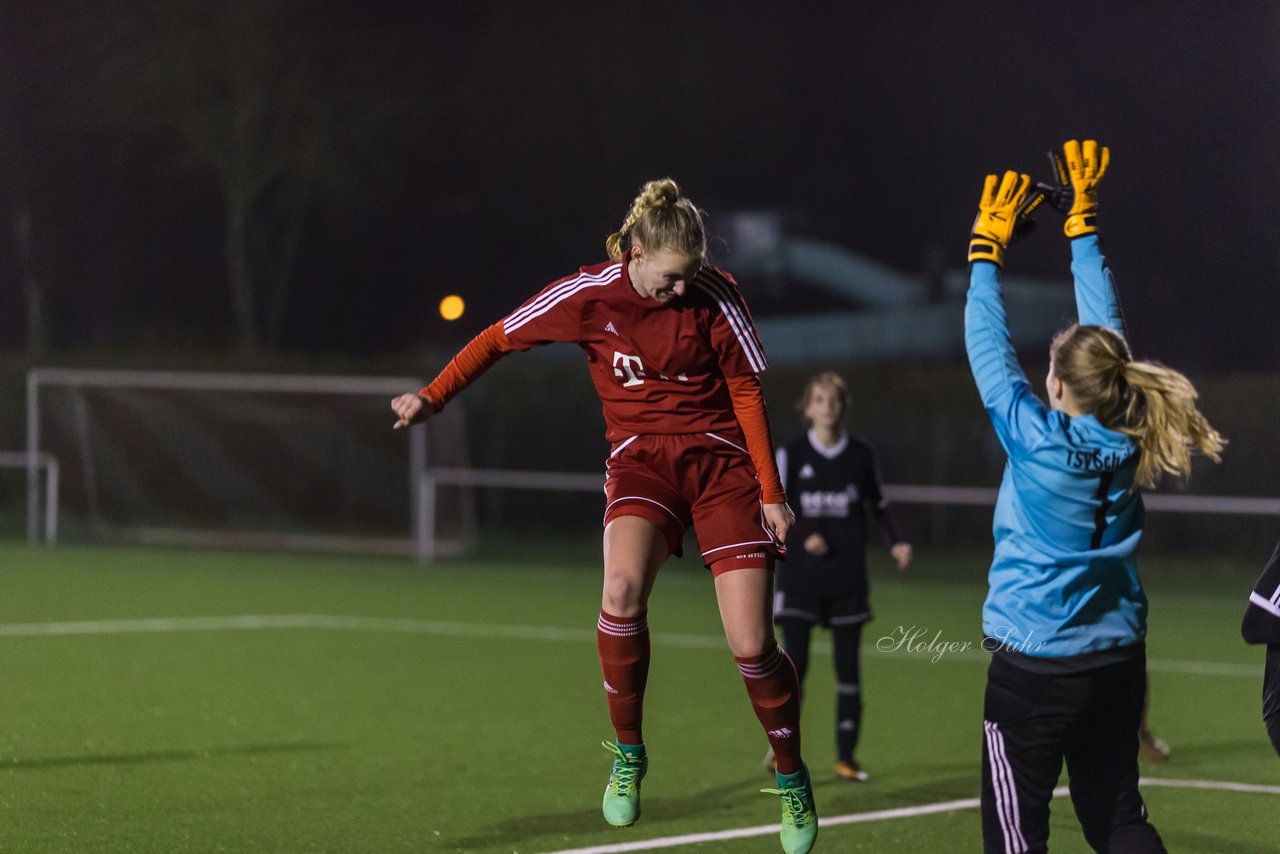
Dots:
pixel 675 358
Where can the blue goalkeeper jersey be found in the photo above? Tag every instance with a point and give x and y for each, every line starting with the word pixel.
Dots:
pixel 1064 578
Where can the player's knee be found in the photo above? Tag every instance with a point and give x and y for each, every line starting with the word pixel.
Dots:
pixel 623 595
pixel 751 644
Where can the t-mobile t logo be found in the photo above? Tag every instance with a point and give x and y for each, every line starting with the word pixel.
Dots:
pixel 628 367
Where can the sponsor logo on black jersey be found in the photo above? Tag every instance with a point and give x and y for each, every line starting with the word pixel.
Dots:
pixel 828 504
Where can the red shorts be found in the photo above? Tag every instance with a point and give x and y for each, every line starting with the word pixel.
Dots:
pixel 698 479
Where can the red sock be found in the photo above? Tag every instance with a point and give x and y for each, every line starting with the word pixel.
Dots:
pixel 775 697
pixel 624 660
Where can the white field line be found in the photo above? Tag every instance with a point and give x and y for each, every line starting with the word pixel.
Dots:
pixel 1219 785
pixel 918 651
pixel 882 815
pixel 453 629
pixel 770 829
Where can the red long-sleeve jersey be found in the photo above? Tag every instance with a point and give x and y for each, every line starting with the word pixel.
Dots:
pixel 686 366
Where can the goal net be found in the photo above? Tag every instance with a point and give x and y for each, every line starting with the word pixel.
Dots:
pixel 241 460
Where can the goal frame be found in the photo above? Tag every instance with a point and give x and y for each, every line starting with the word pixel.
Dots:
pixel 417 541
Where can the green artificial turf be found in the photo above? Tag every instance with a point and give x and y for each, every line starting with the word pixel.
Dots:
pixel 462 710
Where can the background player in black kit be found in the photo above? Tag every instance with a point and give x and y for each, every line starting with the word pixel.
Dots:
pixel 832 478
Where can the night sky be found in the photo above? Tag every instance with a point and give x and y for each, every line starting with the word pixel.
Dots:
pixel 486 150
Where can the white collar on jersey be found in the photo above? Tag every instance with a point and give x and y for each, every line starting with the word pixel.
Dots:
pixel 832 452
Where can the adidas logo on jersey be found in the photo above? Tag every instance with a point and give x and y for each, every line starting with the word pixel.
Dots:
pixel 806 471
pixel 781 732
pixel 609 327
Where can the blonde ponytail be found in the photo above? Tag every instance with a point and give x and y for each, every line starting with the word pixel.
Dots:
pixel 1154 404
pixel 1162 414
pixel 660 218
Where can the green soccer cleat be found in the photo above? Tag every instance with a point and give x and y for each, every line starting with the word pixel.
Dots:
pixel 622 796
pixel 799 816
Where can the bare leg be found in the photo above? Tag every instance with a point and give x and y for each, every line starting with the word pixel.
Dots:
pixel 746 610
pixel 634 551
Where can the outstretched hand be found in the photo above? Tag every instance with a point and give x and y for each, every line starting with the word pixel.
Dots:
pixel 1004 211
pixel 1081 165
pixel 411 409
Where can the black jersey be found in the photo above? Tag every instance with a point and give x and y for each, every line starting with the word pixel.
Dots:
pixel 1262 616
pixel 830 490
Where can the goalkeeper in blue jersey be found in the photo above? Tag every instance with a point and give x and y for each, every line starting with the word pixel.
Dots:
pixel 1065 616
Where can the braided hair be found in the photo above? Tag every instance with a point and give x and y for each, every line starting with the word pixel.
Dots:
pixel 661 217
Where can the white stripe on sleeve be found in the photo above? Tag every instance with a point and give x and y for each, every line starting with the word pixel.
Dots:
pixel 553 296
pixel 732 308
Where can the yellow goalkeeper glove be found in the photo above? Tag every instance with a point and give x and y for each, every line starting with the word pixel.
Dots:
pixel 1081 166
pixel 1004 215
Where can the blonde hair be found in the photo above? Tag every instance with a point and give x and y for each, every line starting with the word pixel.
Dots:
pixel 1154 404
pixel 832 382
pixel 661 217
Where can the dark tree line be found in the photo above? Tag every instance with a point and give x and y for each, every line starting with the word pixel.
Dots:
pixel 281 174
pixel 284 112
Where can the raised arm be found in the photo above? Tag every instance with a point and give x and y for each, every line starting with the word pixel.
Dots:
pixel 1080 167
pixel 1014 409
pixel 1097 303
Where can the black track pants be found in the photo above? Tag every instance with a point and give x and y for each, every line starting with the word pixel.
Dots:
pixel 1033 722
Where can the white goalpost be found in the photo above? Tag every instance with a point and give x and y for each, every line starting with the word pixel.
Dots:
pixel 302 462
pixel 235 460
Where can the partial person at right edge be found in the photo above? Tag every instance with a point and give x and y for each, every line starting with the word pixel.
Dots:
pixel 1261 625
